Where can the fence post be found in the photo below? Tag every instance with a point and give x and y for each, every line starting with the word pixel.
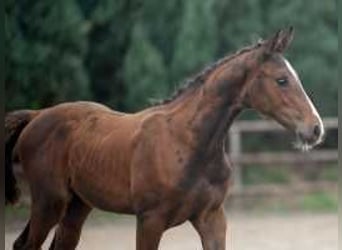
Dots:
pixel 235 154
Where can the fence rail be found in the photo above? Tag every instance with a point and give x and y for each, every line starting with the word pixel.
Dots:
pixel 240 158
pixel 268 125
pixel 315 156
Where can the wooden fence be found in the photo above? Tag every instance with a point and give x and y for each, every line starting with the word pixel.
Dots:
pixel 240 158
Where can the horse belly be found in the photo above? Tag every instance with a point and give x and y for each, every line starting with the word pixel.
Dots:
pixel 107 191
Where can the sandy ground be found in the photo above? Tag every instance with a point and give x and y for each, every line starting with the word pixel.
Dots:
pixel 246 232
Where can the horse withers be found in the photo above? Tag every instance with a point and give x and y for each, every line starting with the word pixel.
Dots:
pixel 166 164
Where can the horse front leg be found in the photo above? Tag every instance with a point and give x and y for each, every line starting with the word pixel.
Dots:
pixel 211 226
pixel 149 232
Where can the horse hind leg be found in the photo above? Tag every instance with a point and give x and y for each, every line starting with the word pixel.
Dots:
pixel 22 239
pixel 69 228
pixel 46 211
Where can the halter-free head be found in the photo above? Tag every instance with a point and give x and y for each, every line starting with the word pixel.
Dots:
pixel 275 90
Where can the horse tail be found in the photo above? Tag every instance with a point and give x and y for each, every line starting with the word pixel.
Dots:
pixel 15 122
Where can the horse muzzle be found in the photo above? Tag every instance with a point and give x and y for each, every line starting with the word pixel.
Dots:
pixel 310 135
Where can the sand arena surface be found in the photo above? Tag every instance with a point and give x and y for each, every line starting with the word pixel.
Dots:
pixel 246 232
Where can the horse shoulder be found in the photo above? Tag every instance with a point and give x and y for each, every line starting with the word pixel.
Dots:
pixel 153 173
pixel 148 140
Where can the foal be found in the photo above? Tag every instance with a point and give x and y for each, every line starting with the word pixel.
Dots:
pixel 166 164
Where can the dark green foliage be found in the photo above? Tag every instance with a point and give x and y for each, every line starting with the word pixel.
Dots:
pixel 144 71
pixel 125 52
pixel 111 25
pixel 258 174
pixel 46 44
pixel 196 40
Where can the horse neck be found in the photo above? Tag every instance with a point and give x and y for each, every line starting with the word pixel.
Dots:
pixel 203 115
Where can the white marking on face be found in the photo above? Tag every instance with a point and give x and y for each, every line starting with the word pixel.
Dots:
pixel 292 71
pixel 312 107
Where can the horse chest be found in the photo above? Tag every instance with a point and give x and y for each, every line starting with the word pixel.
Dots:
pixel 202 196
pixel 205 194
pixel 215 170
pixel 204 191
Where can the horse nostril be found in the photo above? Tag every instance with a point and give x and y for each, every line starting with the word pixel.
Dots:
pixel 317 131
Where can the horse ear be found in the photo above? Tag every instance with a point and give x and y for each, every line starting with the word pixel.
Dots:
pixel 280 41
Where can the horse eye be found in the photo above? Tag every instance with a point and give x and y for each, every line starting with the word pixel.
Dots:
pixel 282 81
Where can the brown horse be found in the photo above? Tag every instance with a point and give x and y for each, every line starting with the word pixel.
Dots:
pixel 166 164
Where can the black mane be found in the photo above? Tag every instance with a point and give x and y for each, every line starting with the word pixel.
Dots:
pixel 200 78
